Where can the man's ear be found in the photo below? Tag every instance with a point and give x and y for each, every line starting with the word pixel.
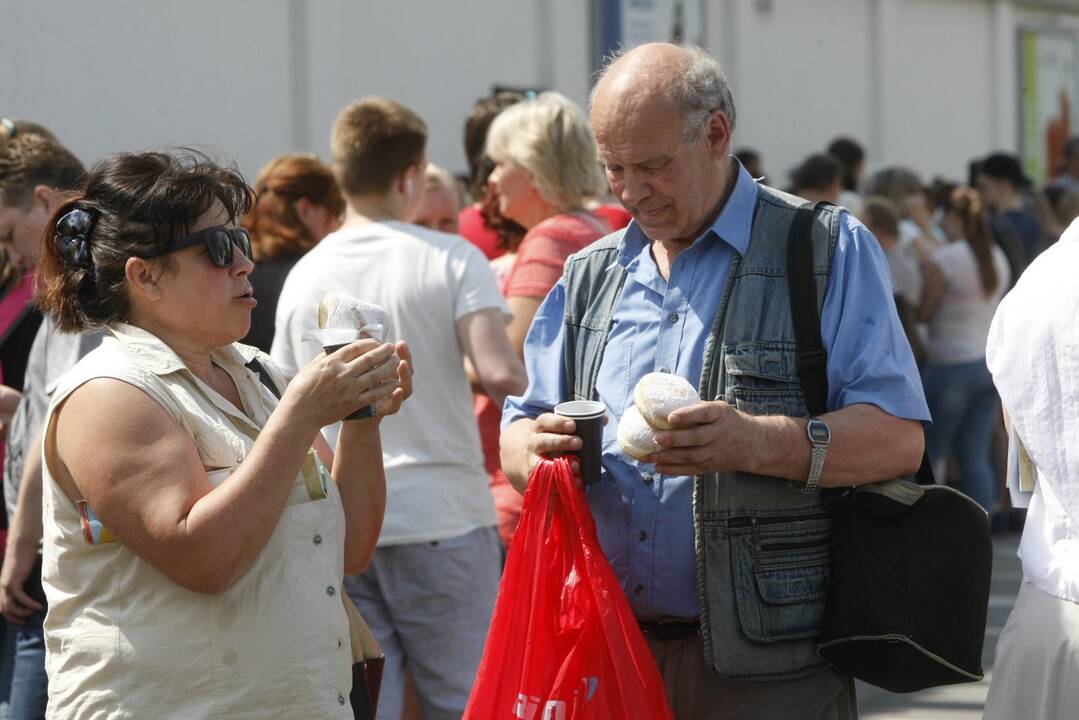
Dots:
pixel 304 207
pixel 718 134
pixel 407 183
pixel 142 276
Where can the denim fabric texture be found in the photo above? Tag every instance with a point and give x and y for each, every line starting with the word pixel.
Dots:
pixel 965 408
pixel 29 683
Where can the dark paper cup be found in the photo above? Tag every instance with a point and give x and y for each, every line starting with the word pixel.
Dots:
pixel 588 416
pixel 367 411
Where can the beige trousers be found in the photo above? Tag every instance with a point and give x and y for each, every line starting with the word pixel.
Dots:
pixel 1036 670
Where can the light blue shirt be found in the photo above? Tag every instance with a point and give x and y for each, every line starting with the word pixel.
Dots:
pixel 645 520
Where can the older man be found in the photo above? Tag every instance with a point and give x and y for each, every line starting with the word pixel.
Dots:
pixel 720 540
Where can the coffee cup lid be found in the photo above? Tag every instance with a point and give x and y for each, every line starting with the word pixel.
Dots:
pixel 582 409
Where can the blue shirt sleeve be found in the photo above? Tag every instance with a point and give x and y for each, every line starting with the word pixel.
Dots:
pixel 543 361
pixel 869 358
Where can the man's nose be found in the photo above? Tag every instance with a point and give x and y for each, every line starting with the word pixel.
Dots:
pixel 634 189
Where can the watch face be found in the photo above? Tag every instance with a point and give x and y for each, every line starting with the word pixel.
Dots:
pixel 819 434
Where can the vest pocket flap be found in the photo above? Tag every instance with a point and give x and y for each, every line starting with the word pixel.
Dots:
pixel 789 586
pixel 781 582
pixel 760 361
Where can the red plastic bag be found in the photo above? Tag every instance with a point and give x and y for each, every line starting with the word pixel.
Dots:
pixel 563 644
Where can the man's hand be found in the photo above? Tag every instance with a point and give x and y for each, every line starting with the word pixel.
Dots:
pixel 706 437
pixel 15 604
pixel 525 442
pixel 551 435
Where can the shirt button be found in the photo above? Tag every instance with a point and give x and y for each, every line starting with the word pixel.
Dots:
pixel 665 370
pixel 317 539
pixel 330 590
pixel 340 699
pixel 673 317
pixel 642 536
pixel 338 642
pixel 647 479
pixel 639 589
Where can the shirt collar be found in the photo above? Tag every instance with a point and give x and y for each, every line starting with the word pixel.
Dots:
pixel 732 225
pixel 157 357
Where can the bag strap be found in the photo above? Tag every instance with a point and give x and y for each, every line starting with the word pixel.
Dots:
pixel 802 285
pixel 812 359
pixel 264 376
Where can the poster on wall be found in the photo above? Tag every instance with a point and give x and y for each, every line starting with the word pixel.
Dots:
pixel 629 23
pixel 1049 66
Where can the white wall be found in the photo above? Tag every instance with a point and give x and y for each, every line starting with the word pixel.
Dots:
pixel 254 78
pixel 913 80
pixel 929 83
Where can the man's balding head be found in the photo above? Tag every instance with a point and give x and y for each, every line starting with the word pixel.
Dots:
pixel 683 75
pixel 662 116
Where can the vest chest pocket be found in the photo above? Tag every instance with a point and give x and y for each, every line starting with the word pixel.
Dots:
pixel 781 572
pixel 762 379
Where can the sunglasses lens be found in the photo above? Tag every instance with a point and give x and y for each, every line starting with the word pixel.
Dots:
pixel 219 247
pixel 243 239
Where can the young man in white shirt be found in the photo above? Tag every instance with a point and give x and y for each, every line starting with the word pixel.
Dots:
pixel 430 589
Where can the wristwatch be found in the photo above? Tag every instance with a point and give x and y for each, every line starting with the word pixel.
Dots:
pixel 819 437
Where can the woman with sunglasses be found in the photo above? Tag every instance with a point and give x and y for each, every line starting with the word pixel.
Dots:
pixel 195 539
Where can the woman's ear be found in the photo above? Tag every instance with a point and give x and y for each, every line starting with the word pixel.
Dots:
pixel 142 278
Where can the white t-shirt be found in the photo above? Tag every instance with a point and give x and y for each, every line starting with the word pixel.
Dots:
pixel 958 330
pixel 426 280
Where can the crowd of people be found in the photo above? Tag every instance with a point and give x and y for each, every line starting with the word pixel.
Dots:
pixel 192 522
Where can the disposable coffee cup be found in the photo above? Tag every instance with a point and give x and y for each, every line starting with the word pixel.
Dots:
pixel 588 416
pixel 367 411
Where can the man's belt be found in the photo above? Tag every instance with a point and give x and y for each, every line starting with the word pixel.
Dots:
pixel 669 630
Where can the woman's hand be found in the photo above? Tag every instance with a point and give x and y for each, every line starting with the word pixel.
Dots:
pixel 405 371
pixel 332 386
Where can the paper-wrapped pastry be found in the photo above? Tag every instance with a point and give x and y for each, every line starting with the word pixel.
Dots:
pixel 658 394
pixel 343 319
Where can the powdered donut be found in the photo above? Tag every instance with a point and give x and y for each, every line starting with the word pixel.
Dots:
pixel 635 435
pixel 658 394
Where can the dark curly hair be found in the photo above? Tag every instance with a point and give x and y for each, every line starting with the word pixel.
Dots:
pixel 137 203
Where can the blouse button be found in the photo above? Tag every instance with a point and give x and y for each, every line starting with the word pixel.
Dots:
pixel 330 590
pixel 317 539
pixel 340 699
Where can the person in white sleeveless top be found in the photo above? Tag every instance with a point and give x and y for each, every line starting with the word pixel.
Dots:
pixel 1033 353
pixel 194 540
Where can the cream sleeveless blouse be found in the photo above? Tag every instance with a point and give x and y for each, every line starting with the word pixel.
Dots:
pixel 123 641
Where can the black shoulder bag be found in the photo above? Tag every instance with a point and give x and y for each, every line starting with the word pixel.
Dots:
pixel 911 560
pixel 367 674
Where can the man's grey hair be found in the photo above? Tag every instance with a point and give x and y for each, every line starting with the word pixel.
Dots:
pixel 699 89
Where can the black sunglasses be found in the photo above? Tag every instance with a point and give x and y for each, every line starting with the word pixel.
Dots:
pixel 218 240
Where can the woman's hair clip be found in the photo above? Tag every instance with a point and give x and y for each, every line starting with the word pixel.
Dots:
pixel 73 236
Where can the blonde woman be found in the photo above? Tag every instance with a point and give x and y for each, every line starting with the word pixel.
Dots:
pixel 546 167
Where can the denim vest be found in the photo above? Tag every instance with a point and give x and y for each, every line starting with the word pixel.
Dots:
pixel 762 544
